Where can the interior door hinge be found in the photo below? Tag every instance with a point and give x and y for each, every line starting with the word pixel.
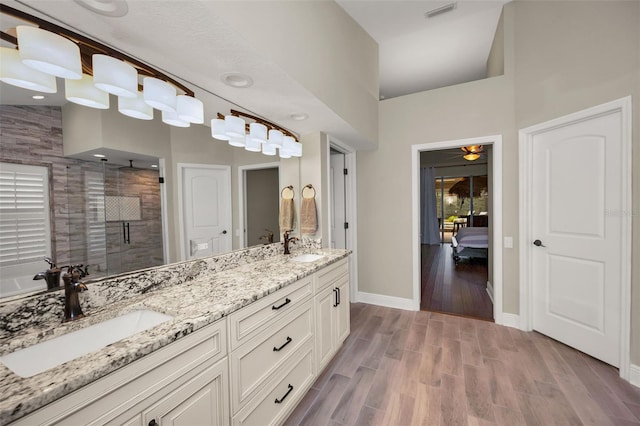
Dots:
pixel 161 179
pixel 346 225
pixel 346 171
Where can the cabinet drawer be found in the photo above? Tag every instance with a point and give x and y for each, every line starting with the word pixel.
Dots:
pixel 282 393
pixel 330 274
pixel 255 318
pixel 253 362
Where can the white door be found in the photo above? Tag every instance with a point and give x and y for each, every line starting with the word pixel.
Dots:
pixel 206 209
pixel 577 262
pixel 338 216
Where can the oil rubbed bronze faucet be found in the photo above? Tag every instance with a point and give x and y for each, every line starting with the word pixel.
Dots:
pixel 72 286
pixel 286 240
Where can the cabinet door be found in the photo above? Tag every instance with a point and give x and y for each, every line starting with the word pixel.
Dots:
pixel 325 326
pixel 201 401
pixel 343 324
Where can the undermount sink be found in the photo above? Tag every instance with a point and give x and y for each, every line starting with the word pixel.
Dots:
pixel 308 257
pixel 42 356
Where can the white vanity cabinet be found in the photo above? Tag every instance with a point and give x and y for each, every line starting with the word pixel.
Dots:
pixel 272 363
pixel 183 381
pixel 332 325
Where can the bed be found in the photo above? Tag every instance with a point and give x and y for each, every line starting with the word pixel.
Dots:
pixel 470 243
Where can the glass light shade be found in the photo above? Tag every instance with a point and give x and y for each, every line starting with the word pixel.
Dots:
pixel 136 107
pixel 258 132
pixel 275 137
pixel 190 109
pixel 234 126
pixel 115 76
pixel 159 94
pixel 172 119
pixel 284 154
pixel 296 150
pixel 268 149
pixel 288 144
pixel 472 148
pixel 471 156
pixel 49 53
pixel 83 92
pixel 15 73
pixel 252 145
pixel 237 141
pixel 218 128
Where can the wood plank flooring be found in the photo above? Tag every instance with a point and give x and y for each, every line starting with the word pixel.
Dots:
pixel 423 368
pixel 457 289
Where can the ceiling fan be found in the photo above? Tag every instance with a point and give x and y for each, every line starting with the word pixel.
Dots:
pixel 472 152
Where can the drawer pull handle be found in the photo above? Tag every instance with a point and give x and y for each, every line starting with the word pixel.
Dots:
pixel 279 401
pixel 289 340
pixel 339 295
pixel 286 302
pixel 335 297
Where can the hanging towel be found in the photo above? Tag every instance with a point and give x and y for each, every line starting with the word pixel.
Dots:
pixel 286 215
pixel 308 216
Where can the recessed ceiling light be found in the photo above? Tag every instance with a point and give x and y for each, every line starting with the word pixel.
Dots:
pixel 37 97
pixel 155 166
pixel 99 155
pixel 299 116
pixel 113 8
pixel 236 79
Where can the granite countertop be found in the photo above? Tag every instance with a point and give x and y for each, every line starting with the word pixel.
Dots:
pixel 193 304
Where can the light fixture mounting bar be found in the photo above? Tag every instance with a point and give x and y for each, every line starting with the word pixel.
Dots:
pixel 88 47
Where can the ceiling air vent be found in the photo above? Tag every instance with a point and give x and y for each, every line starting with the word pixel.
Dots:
pixel 440 10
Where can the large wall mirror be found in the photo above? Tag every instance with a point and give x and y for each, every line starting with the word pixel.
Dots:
pixel 112 213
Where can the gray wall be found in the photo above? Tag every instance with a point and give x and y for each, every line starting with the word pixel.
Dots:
pixel 559 57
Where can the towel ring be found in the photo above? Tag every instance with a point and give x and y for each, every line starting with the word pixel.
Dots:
pixel 306 189
pixel 287 192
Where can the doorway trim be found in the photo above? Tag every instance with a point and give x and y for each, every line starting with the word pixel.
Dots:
pixel 350 205
pixel 242 191
pixel 496 215
pixel 526 137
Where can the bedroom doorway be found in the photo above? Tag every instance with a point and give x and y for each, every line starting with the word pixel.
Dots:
pixel 473 286
pixel 454 266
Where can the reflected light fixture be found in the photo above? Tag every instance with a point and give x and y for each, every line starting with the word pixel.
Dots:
pixel 115 76
pixel 258 136
pixel 136 107
pixel 15 73
pixel 172 119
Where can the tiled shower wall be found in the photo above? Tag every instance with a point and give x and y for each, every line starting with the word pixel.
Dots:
pixel 33 135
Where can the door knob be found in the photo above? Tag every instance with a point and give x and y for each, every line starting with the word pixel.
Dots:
pixel 538 243
pixel 224 232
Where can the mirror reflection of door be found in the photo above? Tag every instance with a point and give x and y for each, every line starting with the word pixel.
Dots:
pixel 205 194
pixel 262 197
pixel 338 200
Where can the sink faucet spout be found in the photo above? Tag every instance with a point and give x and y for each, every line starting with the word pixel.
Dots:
pixel 72 308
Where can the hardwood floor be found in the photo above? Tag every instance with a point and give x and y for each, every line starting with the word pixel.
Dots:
pixel 460 290
pixel 423 368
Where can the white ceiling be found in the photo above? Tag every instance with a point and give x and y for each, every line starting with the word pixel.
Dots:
pixel 418 54
pixel 186 39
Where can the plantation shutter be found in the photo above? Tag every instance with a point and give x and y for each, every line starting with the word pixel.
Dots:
pixel 25 230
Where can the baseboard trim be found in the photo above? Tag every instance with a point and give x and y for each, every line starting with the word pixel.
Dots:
pixel 509 320
pixel 490 291
pixel 387 301
pixel 634 375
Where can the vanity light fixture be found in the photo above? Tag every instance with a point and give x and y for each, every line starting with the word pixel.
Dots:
pixel 136 107
pixel 172 119
pixel 57 51
pixel 260 135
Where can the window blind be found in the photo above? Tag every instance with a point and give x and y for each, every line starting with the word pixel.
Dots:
pixel 24 214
